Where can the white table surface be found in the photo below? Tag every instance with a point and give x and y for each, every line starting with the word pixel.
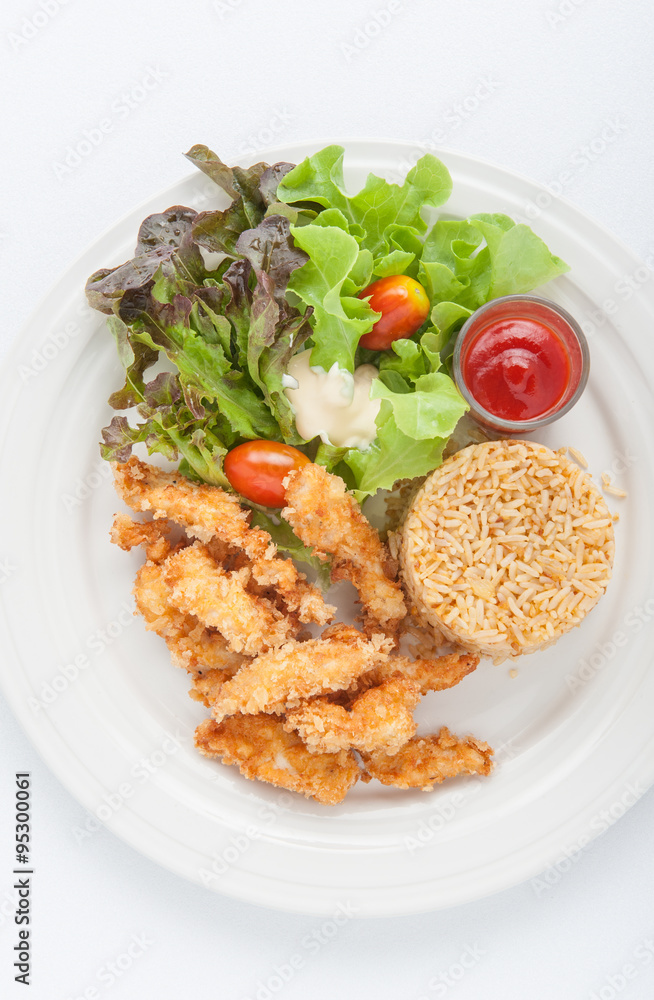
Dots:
pixel 529 86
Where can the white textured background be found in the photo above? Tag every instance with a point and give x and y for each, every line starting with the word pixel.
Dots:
pixel 551 78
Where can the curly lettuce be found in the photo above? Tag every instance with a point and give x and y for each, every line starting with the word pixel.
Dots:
pixel 295 251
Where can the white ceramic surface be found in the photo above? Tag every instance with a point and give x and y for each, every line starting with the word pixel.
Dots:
pixel 111 717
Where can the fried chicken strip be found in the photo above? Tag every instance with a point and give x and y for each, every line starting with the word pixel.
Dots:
pixel 201 587
pixel 192 646
pixel 323 515
pixel 430 675
pixel 299 670
pixel 127 533
pixel 380 718
pixel 425 761
pixel 208 511
pixel 207 684
pixel 204 510
pixel 261 749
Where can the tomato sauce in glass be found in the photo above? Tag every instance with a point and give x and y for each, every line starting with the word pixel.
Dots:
pixel 517 368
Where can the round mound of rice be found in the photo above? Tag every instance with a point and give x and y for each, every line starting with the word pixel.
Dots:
pixel 506 546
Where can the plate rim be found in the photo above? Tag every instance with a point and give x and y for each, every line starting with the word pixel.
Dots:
pixel 13 355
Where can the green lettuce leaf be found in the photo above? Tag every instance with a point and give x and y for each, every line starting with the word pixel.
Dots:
pixel 297 250
pixel 275 334
pixel 252 190
pixel 455 267
pixel 394 262
pixel 393 455
pixel 269 249
pixel 169 428
pixel 432 410
pixel 165 245
pixel 289 544
pixel 338 321
pixel 205 372
pixel 379 204
pixel 218 231
pixel 135 358
pixel 242 185
pixel 420 408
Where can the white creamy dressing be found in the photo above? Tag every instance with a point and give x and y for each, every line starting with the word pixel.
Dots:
pixel 211 259
pixel 335 405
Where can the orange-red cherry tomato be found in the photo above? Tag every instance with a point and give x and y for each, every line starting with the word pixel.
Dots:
pixel 404 307
pixel 256 470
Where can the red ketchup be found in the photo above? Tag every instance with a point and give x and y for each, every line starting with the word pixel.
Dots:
pixel 516 367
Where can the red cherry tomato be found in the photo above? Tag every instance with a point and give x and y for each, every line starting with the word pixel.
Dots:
pixel 256 470
pixel 404 307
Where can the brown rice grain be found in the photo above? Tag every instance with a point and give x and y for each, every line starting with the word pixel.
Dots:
pixel 468 544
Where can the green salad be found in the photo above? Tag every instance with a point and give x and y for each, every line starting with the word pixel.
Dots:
pixel 226 298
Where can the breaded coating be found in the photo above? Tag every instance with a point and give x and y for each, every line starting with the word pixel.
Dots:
pixel 430 675
pixel 380 718
pixel 261 749
pixel 288 708
pixel 192 646
pixel 204 510
pixel 127 533
pixel 207 685
pixel 300 670
pixel 323 515
pixel 425 761
pixel 301 598
pixel 207 512
pixel 201 587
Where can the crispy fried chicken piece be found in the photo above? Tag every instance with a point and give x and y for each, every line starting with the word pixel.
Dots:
pixel 208 511
pixel 127 533
pixel 379 719
pixel 261 749
pixel 425 761
pixel 299 670
pixel 207 684
pixel 192 646
pixel 323 515
pixel 204 510
pixel 201 587
pixel 430 675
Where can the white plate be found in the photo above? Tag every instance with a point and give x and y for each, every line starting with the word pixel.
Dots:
pixel 99 699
